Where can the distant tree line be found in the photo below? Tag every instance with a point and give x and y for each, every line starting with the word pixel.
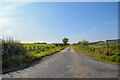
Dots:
pixel 40 43
pixel 65 42
pixel 82 43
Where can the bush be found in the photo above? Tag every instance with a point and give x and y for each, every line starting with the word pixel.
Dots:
pixel 11 47
pixel 13 53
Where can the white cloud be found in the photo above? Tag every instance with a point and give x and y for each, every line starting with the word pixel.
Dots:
pixel 7 10
pixel 6 32
pixel 7 20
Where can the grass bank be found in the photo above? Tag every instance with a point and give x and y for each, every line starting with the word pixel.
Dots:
pixel 15 61
pixel 15 55
pixel 100 52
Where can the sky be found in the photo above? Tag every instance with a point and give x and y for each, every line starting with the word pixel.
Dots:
pixel 52 21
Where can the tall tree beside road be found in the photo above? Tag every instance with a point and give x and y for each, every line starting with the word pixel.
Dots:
pixel 65 40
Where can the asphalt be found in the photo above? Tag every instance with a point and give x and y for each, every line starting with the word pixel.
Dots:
pixel 67 64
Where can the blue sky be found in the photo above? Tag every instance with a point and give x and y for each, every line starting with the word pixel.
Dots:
pixel 52 21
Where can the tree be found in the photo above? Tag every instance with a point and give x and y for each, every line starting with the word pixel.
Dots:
pixel 65 40
pixel 85 43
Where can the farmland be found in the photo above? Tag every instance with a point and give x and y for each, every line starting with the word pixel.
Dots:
pixel 18 54
pixel 40 47
pixel 110 54
pixel 38 51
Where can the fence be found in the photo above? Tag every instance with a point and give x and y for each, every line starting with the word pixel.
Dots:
pixel 40 47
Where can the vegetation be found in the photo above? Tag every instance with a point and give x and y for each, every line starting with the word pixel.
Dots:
pixel 40 43
pixel 111 54
pixel 65 40
pixel 12 52
pixel 15 53
pixel 83 43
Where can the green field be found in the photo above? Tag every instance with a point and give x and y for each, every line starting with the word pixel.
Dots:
pixel 41 46
pixel 102 45
pixel 32 44
pixel 111 54
pixel 97 45
pixel 42 51
pixel 19 53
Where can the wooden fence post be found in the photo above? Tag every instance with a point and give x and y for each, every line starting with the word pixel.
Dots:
pixel 43 48
pixel 106 43
pixel 30 48
pixel 37 47
pixel 33 47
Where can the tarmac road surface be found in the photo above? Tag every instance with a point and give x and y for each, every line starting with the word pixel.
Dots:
pixel 67 64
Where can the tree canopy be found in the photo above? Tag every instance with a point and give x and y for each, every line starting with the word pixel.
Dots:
pixel 65 40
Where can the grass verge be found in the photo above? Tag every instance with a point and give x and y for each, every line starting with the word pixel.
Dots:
pixel 108 55
pixel 18 61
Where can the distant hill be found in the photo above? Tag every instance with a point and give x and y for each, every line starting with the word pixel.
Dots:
pixel 115 41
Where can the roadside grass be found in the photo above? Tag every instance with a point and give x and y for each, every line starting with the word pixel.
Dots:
pixel 35 55
pixel 97 45
pixel 14 54
pixel 17 60
pixel 109 55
